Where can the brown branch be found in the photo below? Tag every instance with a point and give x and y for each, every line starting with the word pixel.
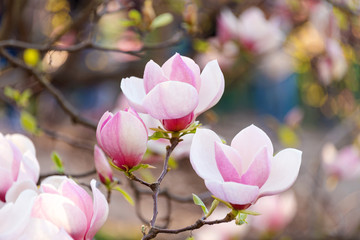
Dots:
pixel 60 98
pixel 154 231
pixel 78 175
pixel 66 139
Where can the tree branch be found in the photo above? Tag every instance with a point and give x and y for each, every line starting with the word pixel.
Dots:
pixel 60 98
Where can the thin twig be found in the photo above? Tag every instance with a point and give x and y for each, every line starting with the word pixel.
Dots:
pixel 78 175
pixel 154 231
pixel 76 117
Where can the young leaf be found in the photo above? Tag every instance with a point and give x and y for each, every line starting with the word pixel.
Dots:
pixel 28 122
pixel 58 162
pixel 158 135
pixel 240 219
pixel 249 212
pixel 220 200
pixel 11 93
pixel 125 194
pixel 199 202
pixel 214 204
pixel 161 20
pixel 135 15
pixel 23 99
pixel 31 57
pixel 172 163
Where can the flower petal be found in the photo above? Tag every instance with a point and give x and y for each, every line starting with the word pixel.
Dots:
pixel 5 183
pixel 17 215
pixel 79 197
pixel 62 212
pixel 29 167
pixel 22 142
pixel 102 122
pixel 134 91
pixel 43 229
pixel 235 193
pixel 153 75
pixel 259 170
pixel 171 100
pixel 202 154
pixel 225 165
pixel 124 139
pixel 248 142
pixel 284 171
pixel 190 64
pixel 100 211
pixel 212 87
pixel 101 163
pixel 18 187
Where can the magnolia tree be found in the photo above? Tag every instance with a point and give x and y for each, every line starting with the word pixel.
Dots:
pixel 157 117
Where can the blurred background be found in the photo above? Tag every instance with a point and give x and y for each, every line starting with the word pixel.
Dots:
pixel 291 67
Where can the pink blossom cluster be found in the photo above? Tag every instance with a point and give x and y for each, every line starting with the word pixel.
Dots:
pixel 173 95
pixel 58 209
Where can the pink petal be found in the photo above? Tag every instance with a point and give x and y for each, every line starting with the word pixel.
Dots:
pixel 134 91
pixel 190 64
pixel 202 154
pixel 79 197
pixel 62 212
pixel 124 139
pixel 259 170
pixel 284 171
pixel 43 229
pixel 249 141
pixel 101 163
pixel 17 215
pixel 22 142
pixel 102 122
pixel 6 156
pixel 5 183
pixel 18 187
pixel 212 87
pixel 169 100
pixel 153 75
pixel 30 168
pixel 100 211
pixel 225 166
pixel 235 193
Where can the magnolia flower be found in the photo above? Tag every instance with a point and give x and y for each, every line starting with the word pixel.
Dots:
pixel 175 93
pixel 17 162
pixel 102 166
pixel 123 137
pixel 60 209
pixel 276 212
pixel 226 26
pixel 333 65
pixel 257 33
pixel 246 170
pixel 343 164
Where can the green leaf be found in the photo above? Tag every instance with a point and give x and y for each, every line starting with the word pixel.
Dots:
pixel 241 219
pixel 173 163
pixel 58 162
pixel 249 212
pixel 158 135
pixel 140 166
pixel 127 23
pixel 214 204
pixel 125 194
pixel 190 238
pixel 11 93
pixel 28 122
pixel 23 99
pixel 161 20
pixel 199 202
pixel 135 15
pixel 200 45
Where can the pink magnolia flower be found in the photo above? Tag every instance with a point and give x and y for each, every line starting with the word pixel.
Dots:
pixel 17 162
pixel 226 26
pixel 123 137
pixel 343 164
pixel 246 170
pixel 175 93
pixel 258 34
pixel 333 65
pixel 102 166
pixel 276 212
pixel 60 209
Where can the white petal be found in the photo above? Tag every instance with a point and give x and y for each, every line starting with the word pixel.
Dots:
pixel 134 91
